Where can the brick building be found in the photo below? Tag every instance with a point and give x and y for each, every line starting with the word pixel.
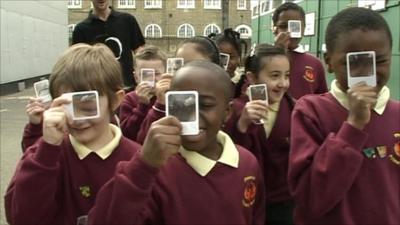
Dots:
pixel 165 23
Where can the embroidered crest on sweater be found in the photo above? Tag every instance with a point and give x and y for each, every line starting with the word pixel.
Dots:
pixel 250 190
pixel 85 191
pixel 309 74
pixel 383 151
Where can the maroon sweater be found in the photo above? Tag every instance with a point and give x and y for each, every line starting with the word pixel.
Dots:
pixel 52 186
pixel 307 75
pixel 336 174
pixel 272 153
pixel 132 114
pixel 151 116
pixel 176 194
pixel 32 133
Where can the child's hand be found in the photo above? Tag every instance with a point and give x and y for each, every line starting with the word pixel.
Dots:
pixel 362 99
pixel 162 141
pixel 162 86
pixel 253 111
pixel 55 122
pixel 144 92
pixel 282 40
pixel 35 109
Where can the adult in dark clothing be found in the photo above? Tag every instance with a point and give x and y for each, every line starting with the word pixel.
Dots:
pixel 106 24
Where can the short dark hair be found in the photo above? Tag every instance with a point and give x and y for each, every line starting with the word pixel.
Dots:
pixel 230 36
pixel 253 62
pixel 206 47
pixel 223 77
pixel 285 7
pixel 354 18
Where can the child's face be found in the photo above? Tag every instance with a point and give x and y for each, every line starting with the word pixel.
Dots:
pixel 188 52
pixel 234 60
pixel 275 74
pixel 91 131
pixel 355 41
pixel 282 25
pixel 213 108
pixel 155 64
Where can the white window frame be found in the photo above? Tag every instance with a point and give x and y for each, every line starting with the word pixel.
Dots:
pixel 186 25
pixel 296 1
pixel 124 4
pixel 215 4
pixel 74 4
pixel 71 28
pixel 255 11
pixel 211 25
pixel 189 4
pixel 372 4
pixel 152 26
pixel 241 5
pixel 265 10
pixel 154 4
pixel 248 28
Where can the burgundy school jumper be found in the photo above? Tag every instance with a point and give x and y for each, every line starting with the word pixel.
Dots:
pixel 151 116
pixel 132 114
pixel 177 194
pixel 53 186
pixel 339 174
pixel 32 133
pixel 272 153
pixel 307 75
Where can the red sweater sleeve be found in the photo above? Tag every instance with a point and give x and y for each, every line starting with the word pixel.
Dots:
pixel 321 169
pixel 31 197
pixel 157 112
pixel 127 197
pixel 32 133
pixel 132 114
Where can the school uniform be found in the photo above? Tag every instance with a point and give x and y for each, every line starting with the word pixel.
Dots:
pixel 339 174
pixel 58 184
pixel 156 112
pixel 307 75
pixel 132 113
pixel 32 133
pixel 269 142
pixel 188 189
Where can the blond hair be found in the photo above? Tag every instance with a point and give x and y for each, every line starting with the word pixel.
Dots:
pixel 85 67
pixel 150 52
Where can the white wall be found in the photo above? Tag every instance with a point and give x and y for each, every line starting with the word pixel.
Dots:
pixel 33 35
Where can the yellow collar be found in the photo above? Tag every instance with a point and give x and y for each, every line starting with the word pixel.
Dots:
pixel 104 152
pixel 341 97
pixel 203 165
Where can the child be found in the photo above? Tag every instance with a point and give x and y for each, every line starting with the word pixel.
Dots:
pixel 57 179
pixel 210 181
pixel 137 103
pixel 306 72
pixel 229 43
pixel 344 164
pixel 269 141
pixel 33 129
pixel 196 48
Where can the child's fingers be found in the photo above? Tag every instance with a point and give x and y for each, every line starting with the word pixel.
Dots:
pixel 35 110
pixel 59 102
pixel 166 76
pixel 168 124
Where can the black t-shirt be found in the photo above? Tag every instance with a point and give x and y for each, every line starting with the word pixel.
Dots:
pixel 118 25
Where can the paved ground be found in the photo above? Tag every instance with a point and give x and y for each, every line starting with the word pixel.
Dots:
pixel 12 122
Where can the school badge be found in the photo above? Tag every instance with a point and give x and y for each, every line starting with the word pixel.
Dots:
pixel 309 74
pixel 85 191
pixel 250 190
pixel 395 158
pixel 382 151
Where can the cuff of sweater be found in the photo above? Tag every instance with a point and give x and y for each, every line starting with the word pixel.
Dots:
pixel 159 109
pixel 34 128
pixel 47 154
pixel 140 172
pixel 352 136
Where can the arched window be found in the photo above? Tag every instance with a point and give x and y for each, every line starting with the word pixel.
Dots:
pixel 153 31
pixel 244 30
pixel 185 31
pixel 211 28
